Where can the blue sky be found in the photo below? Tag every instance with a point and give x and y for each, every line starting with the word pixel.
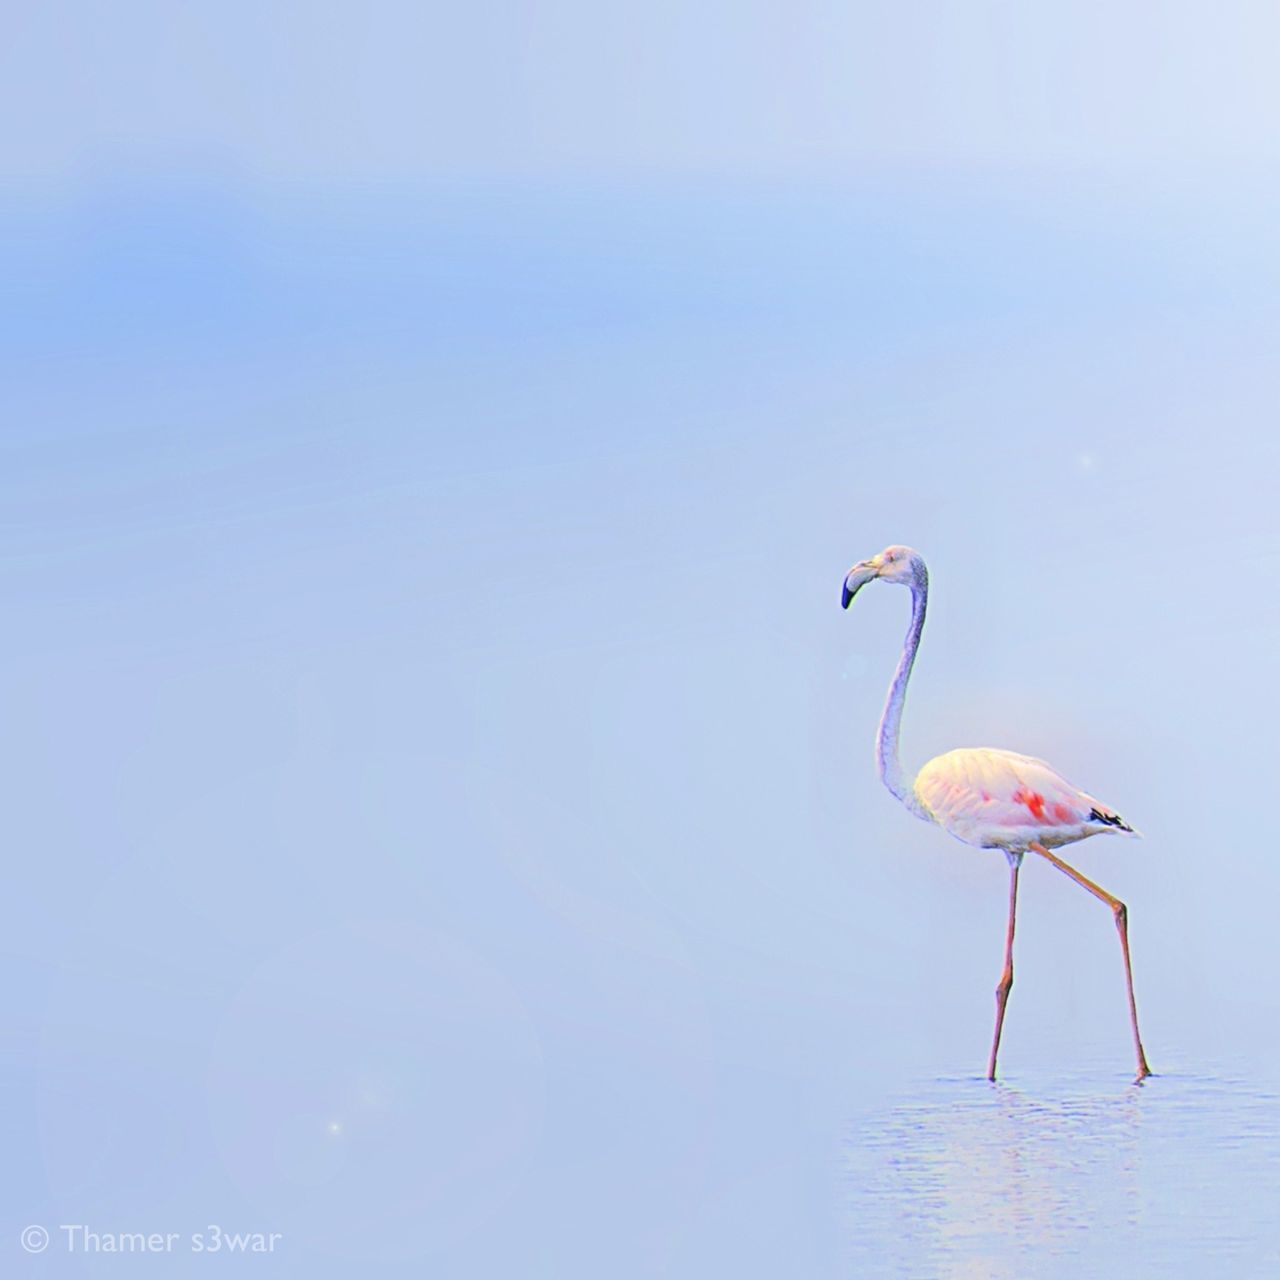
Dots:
pixel 328 92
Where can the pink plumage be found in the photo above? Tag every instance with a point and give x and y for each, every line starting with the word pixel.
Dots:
pixel 998 799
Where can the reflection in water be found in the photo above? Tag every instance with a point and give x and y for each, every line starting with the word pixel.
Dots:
pixel 966 1179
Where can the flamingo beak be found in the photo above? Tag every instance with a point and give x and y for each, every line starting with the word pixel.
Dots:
pixel 855 580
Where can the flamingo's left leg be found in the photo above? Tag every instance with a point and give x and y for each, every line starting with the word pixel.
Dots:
pixel 1121 914
pixel 1005 984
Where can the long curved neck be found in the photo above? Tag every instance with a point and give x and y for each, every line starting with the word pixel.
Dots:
pixel 891 720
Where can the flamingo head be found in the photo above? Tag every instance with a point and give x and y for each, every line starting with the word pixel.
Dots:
pixel 903 565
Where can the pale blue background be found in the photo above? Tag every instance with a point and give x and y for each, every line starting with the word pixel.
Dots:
pixel 440 823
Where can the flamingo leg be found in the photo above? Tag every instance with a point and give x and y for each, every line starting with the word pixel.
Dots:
pixel 1121 914
pixel 1005 985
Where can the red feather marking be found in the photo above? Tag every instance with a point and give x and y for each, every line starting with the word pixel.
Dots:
pixel 1033 800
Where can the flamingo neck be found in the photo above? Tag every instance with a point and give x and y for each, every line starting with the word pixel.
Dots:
pixel 891 720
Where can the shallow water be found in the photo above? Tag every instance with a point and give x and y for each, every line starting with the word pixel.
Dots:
pixel 1081 1174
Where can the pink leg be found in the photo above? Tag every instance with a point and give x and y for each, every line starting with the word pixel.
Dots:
pixel 1121 914
pixel 1006 978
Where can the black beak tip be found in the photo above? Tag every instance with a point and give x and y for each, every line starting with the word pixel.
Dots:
pixel 845 596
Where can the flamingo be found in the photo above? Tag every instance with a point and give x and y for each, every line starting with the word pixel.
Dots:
pixel 987 797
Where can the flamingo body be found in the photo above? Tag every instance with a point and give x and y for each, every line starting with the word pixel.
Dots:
pixel 997 799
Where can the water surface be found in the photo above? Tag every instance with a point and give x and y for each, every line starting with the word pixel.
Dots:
pixel 1082 1173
